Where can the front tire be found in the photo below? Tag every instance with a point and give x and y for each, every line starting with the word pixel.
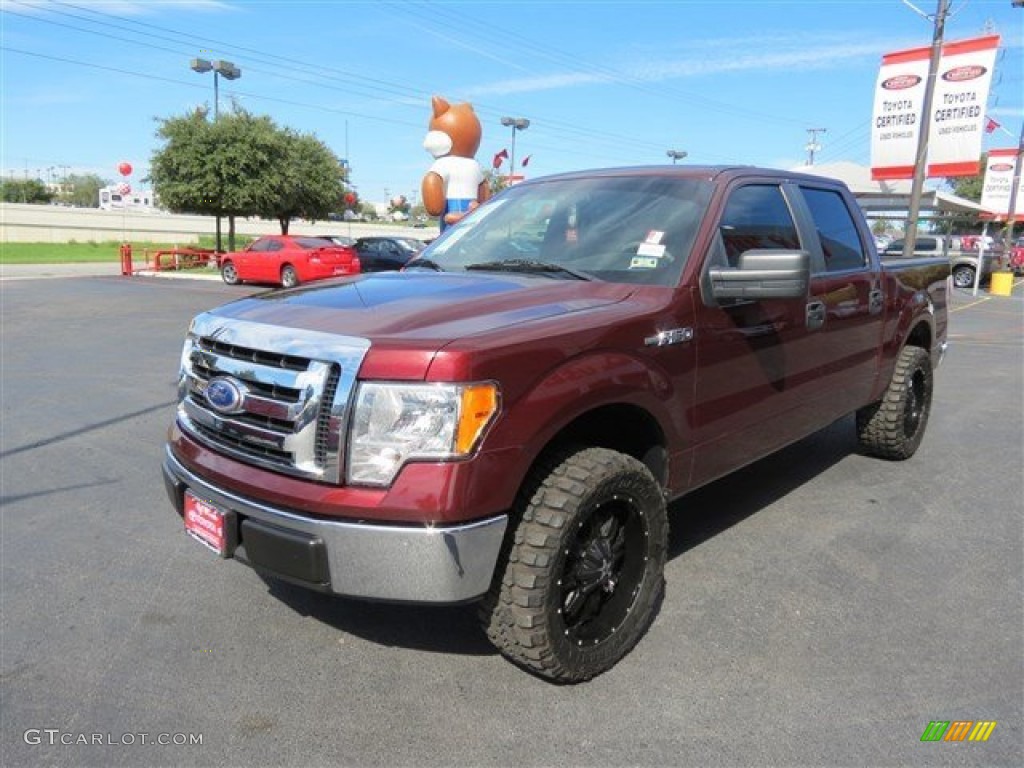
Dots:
pixel 893 427
pixel 229 274
pixel 289 277
pixel 584 575
pixel 963 276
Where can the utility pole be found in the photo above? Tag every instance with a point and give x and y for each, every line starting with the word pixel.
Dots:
pixel 813 145
pixel 921 161
pixel 1011 214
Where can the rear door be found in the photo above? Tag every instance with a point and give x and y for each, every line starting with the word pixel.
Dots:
pixel 846 303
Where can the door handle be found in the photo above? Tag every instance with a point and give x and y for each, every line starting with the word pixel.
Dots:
pixel 875 301
pixel 815 315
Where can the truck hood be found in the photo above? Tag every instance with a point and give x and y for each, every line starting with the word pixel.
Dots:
pixel 424 308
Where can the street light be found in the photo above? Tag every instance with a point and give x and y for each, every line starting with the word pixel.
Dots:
pixel 517 124
pixel 222 69
pixel 676 154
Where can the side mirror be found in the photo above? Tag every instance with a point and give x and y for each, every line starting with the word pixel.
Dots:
pixel 763 274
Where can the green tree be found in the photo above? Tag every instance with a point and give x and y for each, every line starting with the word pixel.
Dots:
pixel 244 165
pixel 969 187
pixel 495 181
pixel 82 190
pixel 27 191
pixel 307 184
pixel 184 172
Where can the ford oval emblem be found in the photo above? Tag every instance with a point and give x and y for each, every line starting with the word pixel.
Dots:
pixel 226 394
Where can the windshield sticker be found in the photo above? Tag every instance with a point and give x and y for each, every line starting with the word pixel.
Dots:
pixel 651 249
pixel 655 236
pixel 643 262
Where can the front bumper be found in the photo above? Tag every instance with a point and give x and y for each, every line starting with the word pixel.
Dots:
pixel 420 564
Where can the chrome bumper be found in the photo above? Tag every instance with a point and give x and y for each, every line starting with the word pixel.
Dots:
pixel 379 562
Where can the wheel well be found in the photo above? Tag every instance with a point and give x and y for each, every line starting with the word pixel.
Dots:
pixel 623 428
pixel 921 337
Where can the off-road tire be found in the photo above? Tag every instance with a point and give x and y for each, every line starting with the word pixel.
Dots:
pixel 583 570
pixel 289 277
pixel 229 274
pixel 963 276
pixel 893 427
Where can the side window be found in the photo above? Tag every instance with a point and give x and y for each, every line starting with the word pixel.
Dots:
pixel 836 229
pixel 275 245
pixel 756 216
pixel 259 246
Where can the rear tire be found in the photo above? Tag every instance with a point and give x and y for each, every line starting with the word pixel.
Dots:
pixel 229 274
pixel 289 277
pixel 963 276
pixel 584 574
pixel 893 427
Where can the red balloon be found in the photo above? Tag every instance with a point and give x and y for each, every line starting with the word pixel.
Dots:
pixel 350 199
pixel 125 169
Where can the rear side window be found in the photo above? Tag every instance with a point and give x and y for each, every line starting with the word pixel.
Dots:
pixel 756 216
pixel 310 243
pixel 836 229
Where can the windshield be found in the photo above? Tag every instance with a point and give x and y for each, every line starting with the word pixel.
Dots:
pixel 636 229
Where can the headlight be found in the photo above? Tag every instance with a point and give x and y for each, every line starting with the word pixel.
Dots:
pixel 395 423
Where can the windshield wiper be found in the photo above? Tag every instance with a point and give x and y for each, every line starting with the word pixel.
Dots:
pixel 528 265
pixel 424 263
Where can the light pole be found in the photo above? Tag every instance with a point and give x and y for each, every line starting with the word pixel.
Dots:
pixel 220 69
pixel 676 154
pixel 517 124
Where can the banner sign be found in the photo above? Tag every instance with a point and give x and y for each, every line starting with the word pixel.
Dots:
pixel 995 194
pixel 957 116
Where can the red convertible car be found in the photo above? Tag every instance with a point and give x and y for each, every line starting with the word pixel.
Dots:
pixel 288 260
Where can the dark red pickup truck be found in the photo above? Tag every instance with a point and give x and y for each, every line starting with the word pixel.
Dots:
pixel 507 418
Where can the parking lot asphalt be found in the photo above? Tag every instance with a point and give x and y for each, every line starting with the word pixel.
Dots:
pixel 822 607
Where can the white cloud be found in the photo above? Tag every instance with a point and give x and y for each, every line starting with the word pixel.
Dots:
pixel 706 57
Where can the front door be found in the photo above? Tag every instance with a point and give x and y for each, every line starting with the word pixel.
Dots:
pixel 754 364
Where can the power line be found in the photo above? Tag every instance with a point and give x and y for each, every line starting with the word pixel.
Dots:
pixel 317 71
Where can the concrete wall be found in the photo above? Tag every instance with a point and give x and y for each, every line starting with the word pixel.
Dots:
pixel 21 223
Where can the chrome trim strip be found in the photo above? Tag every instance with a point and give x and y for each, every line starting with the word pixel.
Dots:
pixel 420 564
pixel 247 370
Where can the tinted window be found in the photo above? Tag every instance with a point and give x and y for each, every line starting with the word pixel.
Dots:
pixel 313 242
pixel 756 217
pixel 836 230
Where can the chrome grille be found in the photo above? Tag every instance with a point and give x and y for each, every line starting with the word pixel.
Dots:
pixel 293 386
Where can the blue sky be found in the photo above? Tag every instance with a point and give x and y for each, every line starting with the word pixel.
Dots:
pixel 603 83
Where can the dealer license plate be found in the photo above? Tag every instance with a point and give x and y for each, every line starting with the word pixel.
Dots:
pixel 206 523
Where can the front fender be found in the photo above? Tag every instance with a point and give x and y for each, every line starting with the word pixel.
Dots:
pixel 574 389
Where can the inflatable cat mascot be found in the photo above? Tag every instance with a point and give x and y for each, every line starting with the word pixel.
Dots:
pixel 455 184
